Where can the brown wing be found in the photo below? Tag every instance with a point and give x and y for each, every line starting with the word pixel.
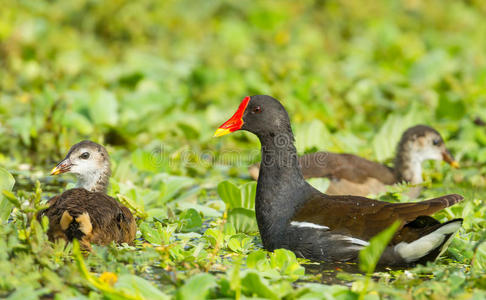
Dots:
pixel 342 186
pixel 349 167
pixel 363 218
pixel 100 218
pixel 344 166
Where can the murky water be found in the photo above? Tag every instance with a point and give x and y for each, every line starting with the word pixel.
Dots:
pixel 341 273
pixel 332 273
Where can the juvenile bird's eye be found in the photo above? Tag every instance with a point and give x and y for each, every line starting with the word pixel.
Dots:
pixel 436 142
pixel 257 109
pixel 85 155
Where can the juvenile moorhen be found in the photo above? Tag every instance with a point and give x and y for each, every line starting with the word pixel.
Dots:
pixel 86 212
pixel 292 214
pixel 354 175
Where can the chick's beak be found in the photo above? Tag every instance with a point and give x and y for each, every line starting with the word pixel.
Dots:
pixel 62 167
pixel 447 157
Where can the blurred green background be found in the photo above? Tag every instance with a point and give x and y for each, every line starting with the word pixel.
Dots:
pixel 137 73
pixel 152 80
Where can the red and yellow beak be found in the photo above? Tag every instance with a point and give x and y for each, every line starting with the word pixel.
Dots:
pixel 447 157
pixel 62 167
pixel 235 122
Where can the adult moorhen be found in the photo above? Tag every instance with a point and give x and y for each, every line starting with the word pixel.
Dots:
pixel 86 212
pixel 292 214
pixel 354 175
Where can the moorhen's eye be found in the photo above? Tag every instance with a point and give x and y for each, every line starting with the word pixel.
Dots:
pixel 257 109
pixel 436 142
pixel 85 155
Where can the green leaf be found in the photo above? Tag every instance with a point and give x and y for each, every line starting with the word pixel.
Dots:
pixel 173 185
pixel 145 161
pixel 320 291
pixel 22 126
pixel 305 137
pixel 6 184
pixel 248 194
pixel 229 229
pixel 191 220
pixel 104 108
pixel 135 208
pixel 480 259
pixel 431 67
pixel 214 236
pixel 254 285
pixel 240 205
pixel 197 287
pixel 78 122
pixel 239 243
pixel 11 198
pixel 286 261
pixel 450 108
pixel 138 287
pixel 151 234
pixel 370 255
pixel 234 197
pixel 243 220
pixel 27 292
pixel 230 194
pixel 234 244
pixel 189 131
pixel 256 259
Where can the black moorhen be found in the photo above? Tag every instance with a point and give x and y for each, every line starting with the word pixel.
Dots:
pixel 354 175
pixel 292 214
pixel 86 212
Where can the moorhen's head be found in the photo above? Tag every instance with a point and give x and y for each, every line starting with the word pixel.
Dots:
pixel 90 163
pixel 425 143
pixel 260 114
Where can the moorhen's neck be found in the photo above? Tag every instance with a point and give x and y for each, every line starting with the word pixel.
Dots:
pixel 96 181
pixel 408 165
pixel 280 156
pixel 281 186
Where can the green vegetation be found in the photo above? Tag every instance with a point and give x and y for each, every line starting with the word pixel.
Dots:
pixel 152 80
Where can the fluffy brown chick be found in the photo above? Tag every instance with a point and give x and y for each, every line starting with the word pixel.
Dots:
pixel 86 212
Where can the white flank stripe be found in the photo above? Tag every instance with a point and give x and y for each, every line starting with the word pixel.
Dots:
pixel 421 247
pixel 354 241
pixel 307 225
pixel 359 242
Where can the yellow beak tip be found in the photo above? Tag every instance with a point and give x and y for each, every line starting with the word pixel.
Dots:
pixel 455 164
pixel 55 171
pixel 221 132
